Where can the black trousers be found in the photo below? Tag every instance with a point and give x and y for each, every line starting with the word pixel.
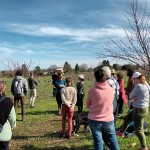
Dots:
pixel 4 145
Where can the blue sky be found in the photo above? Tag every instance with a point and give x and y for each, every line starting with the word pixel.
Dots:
pixel 55 31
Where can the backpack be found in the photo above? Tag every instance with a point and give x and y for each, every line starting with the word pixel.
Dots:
pixel 18 87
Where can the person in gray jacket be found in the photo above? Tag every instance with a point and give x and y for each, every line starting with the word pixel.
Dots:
pixel 7 118
pixel 32 86
pixel 19 89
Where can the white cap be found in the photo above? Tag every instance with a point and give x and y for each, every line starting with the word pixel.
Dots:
pixel 60 70
pixel 81 76
pixel 135 75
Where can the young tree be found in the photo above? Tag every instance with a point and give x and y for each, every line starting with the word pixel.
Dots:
pixel 67 67
pixel 135 48
pixel 77 68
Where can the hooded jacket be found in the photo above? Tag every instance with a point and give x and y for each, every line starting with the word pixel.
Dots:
pixel 100 102
pixel 25 86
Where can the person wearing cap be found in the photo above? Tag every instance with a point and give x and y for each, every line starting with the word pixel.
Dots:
pixel 113 74
pixel 140 97
pixel 80 92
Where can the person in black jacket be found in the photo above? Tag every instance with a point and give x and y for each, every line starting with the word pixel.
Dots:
pixel 32 87
pixel 7 118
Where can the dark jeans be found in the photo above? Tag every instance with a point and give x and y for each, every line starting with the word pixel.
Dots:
pixel 23 103
pixel 120 105
pixel 80 102
pixel 4 145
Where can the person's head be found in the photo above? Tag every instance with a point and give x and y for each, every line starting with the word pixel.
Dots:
pixel 119 75
pixel 69 81
pixel 81 77
pixel 113 72
pixel 100 75
pixel 2 87
pixel 18 73
pixel 130 72
pixel 60 76
pixel 107 71
pixel 31 74
pixel 138 78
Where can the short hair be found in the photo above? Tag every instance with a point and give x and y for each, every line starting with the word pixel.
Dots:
pixel 31 74
pixel 18 73
pixel 100 75
pixel 107 71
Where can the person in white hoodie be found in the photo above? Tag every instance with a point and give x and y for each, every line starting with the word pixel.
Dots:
pixel 69 99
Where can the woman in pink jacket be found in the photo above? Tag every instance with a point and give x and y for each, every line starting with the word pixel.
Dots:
pixel 122 97
pixel 101 119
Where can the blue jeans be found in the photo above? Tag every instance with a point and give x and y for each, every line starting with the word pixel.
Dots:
pixel 108 127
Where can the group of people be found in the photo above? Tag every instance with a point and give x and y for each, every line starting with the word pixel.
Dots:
pixel 8 108
pixel 67 98
pixel 101 102
pixel 105 101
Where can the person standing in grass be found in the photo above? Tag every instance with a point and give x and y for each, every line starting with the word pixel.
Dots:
pixel 80 92
pixel 122 97
pixel 140 97
pixel 32 86
pixel 69 99
pixel 7 118
pixel 54 78
pixel 100 104
pixel 19 89
pixel 60 83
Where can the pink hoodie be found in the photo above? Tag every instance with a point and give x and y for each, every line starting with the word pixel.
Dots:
pixel 100 102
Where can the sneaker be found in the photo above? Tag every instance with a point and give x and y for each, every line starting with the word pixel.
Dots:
pixel 143 148
pixel 68 137
pixel 62 135
pixel 119 133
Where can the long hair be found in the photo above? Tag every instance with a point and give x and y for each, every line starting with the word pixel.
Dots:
pixel 142 79
pixel 2 87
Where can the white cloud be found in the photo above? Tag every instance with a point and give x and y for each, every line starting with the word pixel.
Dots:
pixel 74 33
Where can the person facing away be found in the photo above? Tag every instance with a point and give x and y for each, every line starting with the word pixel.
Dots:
pixel 115 85
pixel 80 92
pixel 69 99
pixel 60 83
pixel 19 89
pixel 32 82
pixel 140 97
pixel 100 104
pixel 130 84
pixel 122 97
pixel 54 78
pixel 7 117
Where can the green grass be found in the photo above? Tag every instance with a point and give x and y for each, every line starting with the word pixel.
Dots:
pixel 41 130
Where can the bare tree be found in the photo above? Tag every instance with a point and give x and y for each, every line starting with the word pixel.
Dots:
pixel 13 65
pixel 135 47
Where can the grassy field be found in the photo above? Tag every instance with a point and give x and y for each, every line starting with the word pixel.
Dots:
pixel 41 130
